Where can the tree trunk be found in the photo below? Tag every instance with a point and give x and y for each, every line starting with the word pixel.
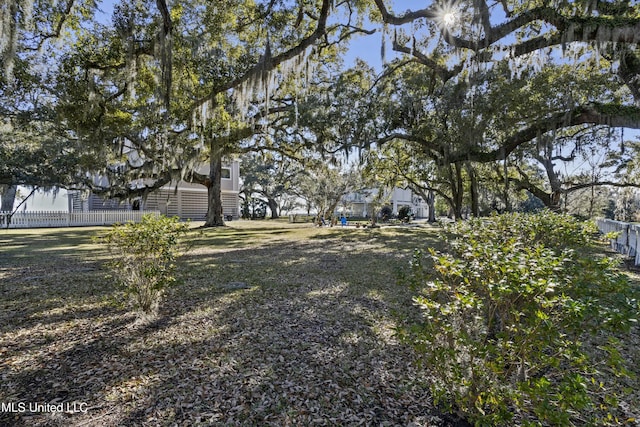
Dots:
pixel 555 203
pixel 505 190
pixel 430 199
pixel 473 189
pixel 374 215
pixel 555 197
pixel 214 188
pixel 332 208
pixel 246 205
pixel 431 205
pixel 8 197
pixel 273 207
pixel 592 200
pixel 457 189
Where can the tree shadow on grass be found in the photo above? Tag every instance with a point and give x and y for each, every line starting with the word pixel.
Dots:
pixel 308 343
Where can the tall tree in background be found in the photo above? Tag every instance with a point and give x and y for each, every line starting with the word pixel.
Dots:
pixel 285 36
pixel 270 177
pixel 490 117
pixel 323 186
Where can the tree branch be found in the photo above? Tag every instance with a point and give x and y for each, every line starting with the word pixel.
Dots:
pixel 597 114
pixel 583 28
pixel 269 62
pixel 576 187
pixel 607 26
pixel 58 28
pixel 443 72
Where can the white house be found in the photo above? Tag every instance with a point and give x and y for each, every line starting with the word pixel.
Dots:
pixel 182 199
pixel 359 203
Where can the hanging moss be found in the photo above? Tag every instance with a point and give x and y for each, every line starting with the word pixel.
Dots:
pixel 383 45
pixel 14 15
pixel 261 85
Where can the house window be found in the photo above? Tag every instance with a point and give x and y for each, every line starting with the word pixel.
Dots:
pixel 226 173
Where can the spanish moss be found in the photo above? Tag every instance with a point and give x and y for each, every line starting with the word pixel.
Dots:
pixel 14 14
pixel 262 85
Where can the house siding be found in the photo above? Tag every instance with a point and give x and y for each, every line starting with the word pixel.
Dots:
pixel 96 203
pixel 190 203
pixel 184 200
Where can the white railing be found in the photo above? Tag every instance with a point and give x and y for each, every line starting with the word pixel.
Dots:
pixel 628 238
pixel 69 219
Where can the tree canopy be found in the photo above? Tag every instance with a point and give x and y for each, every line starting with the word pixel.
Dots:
pixel 522 86
pixel 482 92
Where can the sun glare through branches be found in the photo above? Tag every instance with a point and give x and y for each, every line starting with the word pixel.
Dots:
pixel 448 15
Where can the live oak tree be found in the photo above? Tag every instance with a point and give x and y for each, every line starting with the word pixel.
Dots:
pixel 226 71
pixel 166 87
pixel 323 185
pixel 283 51
pixel 466 42
pixel 115 74
pixel 36 150
pixel 426 123
pixel 444 125
pixel 553 89
pixel 269 177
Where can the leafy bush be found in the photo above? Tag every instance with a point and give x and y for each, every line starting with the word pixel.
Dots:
pixel 404 213
pixel 143 258
pixel 506 316
pixel 386 212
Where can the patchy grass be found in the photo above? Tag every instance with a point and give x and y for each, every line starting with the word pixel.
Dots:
pixel 274 324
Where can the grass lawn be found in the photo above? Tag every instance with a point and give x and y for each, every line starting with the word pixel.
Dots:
pixel 274 324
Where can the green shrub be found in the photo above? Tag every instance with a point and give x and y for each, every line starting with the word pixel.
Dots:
pixel 506 312
pixel 386 212
pixel 143 257
pixel 404 213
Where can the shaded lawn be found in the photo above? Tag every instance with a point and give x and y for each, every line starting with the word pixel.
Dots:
pixel 307 340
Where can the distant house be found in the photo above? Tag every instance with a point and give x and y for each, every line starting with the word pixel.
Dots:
pixel 182 199
pixel 359 203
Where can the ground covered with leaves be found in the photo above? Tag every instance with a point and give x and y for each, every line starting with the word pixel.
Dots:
pixel 284 325
pixel 274 324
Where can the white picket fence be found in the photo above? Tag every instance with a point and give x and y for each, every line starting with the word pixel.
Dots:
pixel 628 240
pixel 69 219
